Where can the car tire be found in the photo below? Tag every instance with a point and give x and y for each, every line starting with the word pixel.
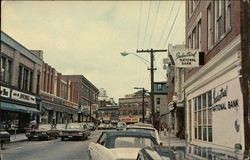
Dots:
pixel 62 139
pixel 29 138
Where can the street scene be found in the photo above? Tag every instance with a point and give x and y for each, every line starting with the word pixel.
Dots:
pixel 125 80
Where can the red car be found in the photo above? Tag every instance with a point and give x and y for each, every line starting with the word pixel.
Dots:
pixel 43 131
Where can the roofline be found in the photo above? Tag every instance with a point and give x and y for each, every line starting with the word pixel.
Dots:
pixel 5 38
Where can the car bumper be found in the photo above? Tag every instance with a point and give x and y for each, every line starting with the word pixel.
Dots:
pixel 37 136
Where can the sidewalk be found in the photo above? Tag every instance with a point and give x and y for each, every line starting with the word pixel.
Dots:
pixel 174 141
pixel 18 137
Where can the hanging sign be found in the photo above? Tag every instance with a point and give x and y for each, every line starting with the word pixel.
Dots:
pixel 186 58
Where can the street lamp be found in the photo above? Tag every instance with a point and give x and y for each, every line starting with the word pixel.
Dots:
pixel 141 58
pixel 143 107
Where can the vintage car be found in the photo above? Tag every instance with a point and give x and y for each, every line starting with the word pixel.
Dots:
pixel 121 126
pixel 60 126
pixel 75 130
pixel 159 153
pixel 91 126
pixel 120 145
pixel 4 136
pixel 151 130
pixel 143 124
pixel 43 131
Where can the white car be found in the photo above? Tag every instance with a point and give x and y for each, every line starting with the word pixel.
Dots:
pixel 151 130
pixel 120 145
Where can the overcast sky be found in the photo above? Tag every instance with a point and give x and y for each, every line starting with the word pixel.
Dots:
pixel 86 38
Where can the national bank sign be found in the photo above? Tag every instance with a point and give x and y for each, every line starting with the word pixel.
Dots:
pixel 186 58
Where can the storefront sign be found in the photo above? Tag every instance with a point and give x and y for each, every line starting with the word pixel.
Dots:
pixel 129 119
pixel 23 97
pixel 4 92
pixel 220 100
pixel 185 58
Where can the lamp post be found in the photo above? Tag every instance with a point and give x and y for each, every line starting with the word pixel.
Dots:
pixel 143 105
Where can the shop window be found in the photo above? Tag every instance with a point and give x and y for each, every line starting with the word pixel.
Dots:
pixel 203 117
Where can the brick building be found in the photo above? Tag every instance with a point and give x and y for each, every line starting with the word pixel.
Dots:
pixel 131 107
pixel 88 97
pixel 19 83
pixel 214 99
pixel 108 114
pixel 59 97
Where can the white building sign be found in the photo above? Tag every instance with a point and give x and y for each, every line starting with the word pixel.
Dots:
pixel 23 97
pixel 4 92
pixel 185 58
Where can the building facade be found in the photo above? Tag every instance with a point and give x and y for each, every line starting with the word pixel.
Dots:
pixel 131 108
pixel 19 84
pixel 88 97
pixel 108 114
pixel 59 97
pixel 214 98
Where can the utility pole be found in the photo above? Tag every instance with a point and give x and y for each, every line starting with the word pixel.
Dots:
pixel 143 105
pixel 152 69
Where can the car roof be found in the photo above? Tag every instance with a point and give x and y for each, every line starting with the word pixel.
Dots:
pixel 127 134
pixel 141 127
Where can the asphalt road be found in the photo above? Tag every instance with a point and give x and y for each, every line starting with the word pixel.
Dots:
pixel 49 150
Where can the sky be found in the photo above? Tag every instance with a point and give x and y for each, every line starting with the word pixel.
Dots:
pixel 87 37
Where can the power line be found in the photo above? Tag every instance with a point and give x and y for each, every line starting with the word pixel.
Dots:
pixel 139 25
pixel 155 20
pixel 172 25
pixel 147 24
pixel 170 29
pixel 166 24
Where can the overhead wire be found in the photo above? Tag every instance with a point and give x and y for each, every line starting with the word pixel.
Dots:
pixel 139 26
pixel 145 33
pixel 166 24
pixel 154 22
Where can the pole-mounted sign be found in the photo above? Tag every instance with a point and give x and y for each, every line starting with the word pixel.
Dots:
pixel 186 58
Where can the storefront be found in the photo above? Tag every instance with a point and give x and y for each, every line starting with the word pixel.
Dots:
pixel 215 103
pixel 55 113
pixel 17 108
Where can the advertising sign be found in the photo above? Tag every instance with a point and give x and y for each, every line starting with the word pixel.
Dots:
pixel 185 58
pixel 4 92
pixel 20 96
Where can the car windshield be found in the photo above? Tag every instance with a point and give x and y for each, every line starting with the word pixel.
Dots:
pixel 151 131
pixel 132 142
pixel 44 127
pixel 60 126
pixel 74 126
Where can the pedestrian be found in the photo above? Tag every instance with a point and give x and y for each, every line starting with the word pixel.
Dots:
pixel 165 129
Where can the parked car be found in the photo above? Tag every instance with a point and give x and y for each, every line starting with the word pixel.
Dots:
pixel 143 124
pixel 91 126
pixel 43 131
pixel 147 129
pixel 121 126
pixel 101 126
pixel 60 126
pixel 4 135
pixel 159 153
pixel 75 130
pixel 120 145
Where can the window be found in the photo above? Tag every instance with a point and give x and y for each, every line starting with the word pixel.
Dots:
pixel 159 87
pixel 228 14
pixel 6 67
pixel 203 117
pixel 190 119
pixel 209 28
pixel 158 100
pixel 218 20
pixel 20 76
pixel 135 112
pixel 25 79
pixel 199 36
pixel 194 39
pixel 31 81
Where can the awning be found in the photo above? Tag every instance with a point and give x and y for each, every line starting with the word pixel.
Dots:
pixel 18 108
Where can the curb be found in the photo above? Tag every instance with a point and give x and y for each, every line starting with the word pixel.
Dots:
pixel 21 140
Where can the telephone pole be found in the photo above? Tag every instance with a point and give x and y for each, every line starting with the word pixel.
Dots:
pixel 152 69
pixel 143 105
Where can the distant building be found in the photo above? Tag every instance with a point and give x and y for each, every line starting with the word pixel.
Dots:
pixel 108 114
pixel 131 108
pixel 19 84
pixel 88 101
pixel 102 95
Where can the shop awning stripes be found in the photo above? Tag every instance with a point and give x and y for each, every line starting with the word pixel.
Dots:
pixel 18 108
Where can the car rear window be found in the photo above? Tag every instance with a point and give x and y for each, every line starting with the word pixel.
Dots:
pixel 132 142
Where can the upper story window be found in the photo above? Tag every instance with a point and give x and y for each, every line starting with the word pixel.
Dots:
pixel 228 14
pixel 158 100
pixel 199 35
pixel 209 27
pixel 218 22
pixel 159 87
pixel 6 67
pixel 194 39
